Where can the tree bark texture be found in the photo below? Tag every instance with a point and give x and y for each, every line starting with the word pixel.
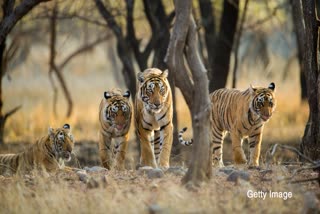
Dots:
pixel 299 29
pixel 194 89
pixel 310 144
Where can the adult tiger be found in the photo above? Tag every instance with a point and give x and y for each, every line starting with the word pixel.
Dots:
pixel 153 117
pixel 243 114
pixel 115 117
pixel 47 153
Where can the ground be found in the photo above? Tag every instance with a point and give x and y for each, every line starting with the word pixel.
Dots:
pixel 143 191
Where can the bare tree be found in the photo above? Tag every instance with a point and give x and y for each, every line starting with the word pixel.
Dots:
pixel 10 16
pixel 194 86
pixel 310 144
pixel 219 45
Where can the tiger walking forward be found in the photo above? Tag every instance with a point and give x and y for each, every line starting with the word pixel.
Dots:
pixel 115 113
pixel 48 153
pixel 243 114
pixel 153 117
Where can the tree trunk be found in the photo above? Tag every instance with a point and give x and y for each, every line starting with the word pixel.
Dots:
pixel 219 68
pixel 2 117
pixel 160 50
pixel 299 30
pixel 184 38
pixel 310 144
pixel 123 48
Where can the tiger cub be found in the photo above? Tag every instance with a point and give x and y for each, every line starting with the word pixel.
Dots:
pixel 243 114
pixel 47 153
pixel 115 113
pixel 153 117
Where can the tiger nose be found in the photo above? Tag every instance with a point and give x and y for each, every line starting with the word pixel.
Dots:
pixel 157 104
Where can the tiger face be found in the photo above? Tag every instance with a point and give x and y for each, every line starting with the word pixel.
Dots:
pixel 154 89
pixel 118 110
pixel 62 142
pixel 264 101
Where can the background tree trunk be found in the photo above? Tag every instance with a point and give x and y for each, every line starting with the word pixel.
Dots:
pixel 184 38
pixel 221 52
pixel 299 29
pixel 310 144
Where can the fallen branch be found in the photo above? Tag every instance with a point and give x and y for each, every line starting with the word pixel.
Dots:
pixel 273 150
pixel 315 164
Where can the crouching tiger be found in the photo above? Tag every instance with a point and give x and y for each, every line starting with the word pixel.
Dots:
pixel 115 117
pixel 48 153
pixel 243 114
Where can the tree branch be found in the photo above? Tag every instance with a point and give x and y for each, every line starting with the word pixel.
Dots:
pixel 10 20
pixel 174 57
pixel 11 112
pixel 123 48
pixel 82 49
pixel 54 68
pixel 237 43
pixel 109 19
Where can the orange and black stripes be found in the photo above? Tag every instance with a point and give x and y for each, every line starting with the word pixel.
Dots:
pixel 243 114
pixel 115 112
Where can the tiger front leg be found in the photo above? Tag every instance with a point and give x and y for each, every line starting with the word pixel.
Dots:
pixel 166 141
pixel 121 150
pixel 254 148
pixel 217 147
pixel 238 154
pixel 105 151
pixel 146 144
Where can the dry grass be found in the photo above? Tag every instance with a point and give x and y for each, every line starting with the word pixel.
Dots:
pixel 128 192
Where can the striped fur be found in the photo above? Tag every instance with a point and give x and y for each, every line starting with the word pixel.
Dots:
pixel 153 117
pixel 182 141
pixel 48 153
pixel 115 113
pixel 243 114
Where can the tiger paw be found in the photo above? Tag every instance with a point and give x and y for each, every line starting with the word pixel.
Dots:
pixel 217 164
pixel 239 157
pixel 253 164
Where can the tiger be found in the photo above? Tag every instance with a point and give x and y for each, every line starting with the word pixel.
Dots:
pixel 115 112
pixel 48 153
pixel 181 140
pixel 243 114
pixel 153 117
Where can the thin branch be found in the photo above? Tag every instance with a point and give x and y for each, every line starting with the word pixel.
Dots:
pixel 83 49
pixel 54 68
pixel 274 148
pixel 266 19
pixel 11 112
pixel 237 43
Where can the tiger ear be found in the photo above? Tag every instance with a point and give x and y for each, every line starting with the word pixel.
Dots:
pixel 165 73
pixel 50 131
pixel 272 86
pixel 107 95
pixel 67 126
pixel 252 88
pixel 140 77
pixel 126 94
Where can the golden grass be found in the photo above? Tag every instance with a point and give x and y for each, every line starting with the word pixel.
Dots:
pixel 128 192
